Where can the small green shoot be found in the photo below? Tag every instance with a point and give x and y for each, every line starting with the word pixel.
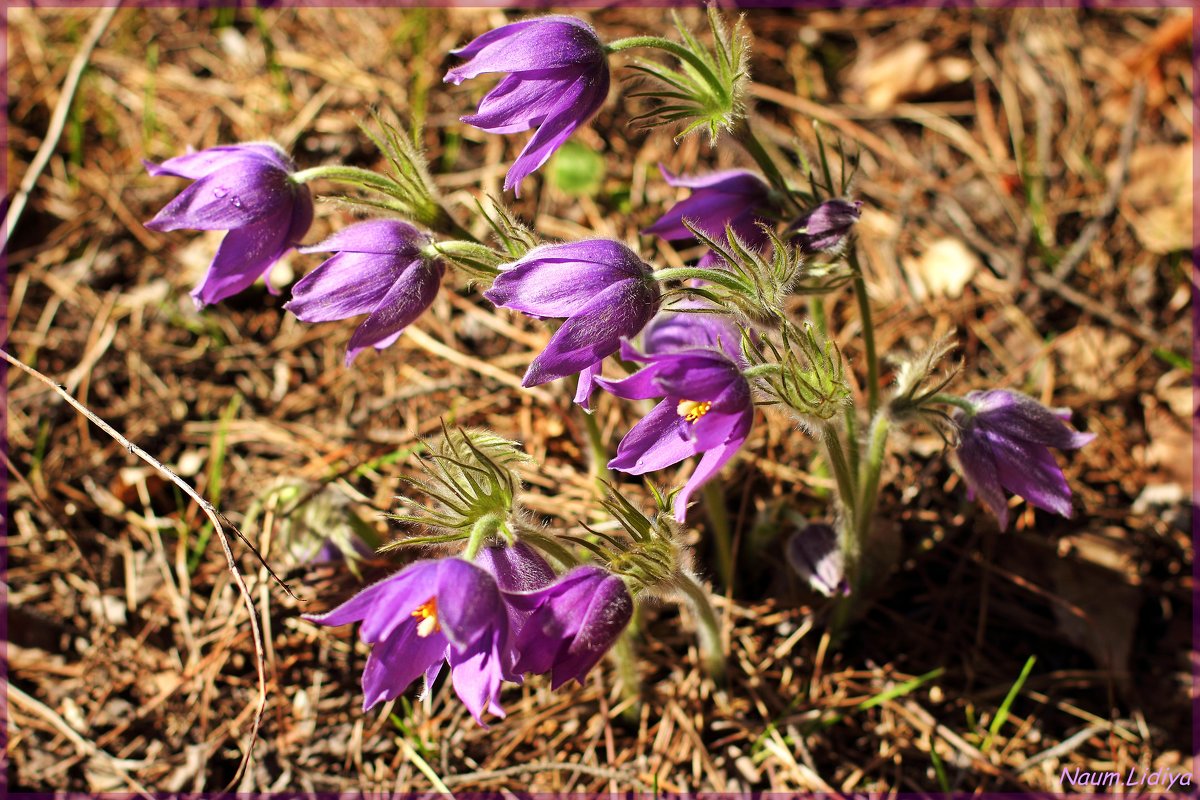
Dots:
pixel 1002 713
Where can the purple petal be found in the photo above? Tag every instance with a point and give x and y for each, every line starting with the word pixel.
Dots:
pixel 382 236
pixel 654 442
pixel 346 285
pixel 560 280
pixel 477 674
pixel 231 197
pixel 468 602
pixel 710 464
pixel 607 614
pixel 672 331
pixel 587 385
pixel 397 661
pixel 1029 470
pixel 595 332
pixel 408 298
pixel 526 100
pixel 518 568
pixel 980 472
pixel 245 255
pixel 1018 416
pixel 538 44
pixel 196 165
pixel 558 128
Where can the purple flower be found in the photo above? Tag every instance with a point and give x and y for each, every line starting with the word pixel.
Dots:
pixel 380 271
pixel 1004 445
pixel 432 611
pixel 706 409
pixel 824 228
pixel 814 553
pixel 601 287
pixel 248 190
pixel 670 331
pixel 558 78
pixel 572 623
pixel 736 197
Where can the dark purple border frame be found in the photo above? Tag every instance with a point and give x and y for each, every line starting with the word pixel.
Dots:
pixel 535 5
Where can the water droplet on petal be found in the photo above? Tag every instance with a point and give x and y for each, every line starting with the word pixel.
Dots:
pixel 237 201
pixel 220 192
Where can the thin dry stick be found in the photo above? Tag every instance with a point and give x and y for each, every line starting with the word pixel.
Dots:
pixel 214 517
pixel 58 121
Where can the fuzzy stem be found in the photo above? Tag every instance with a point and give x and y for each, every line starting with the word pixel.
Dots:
pixel 624 657
pixel 744 134
pixel 718 516
pixel 953 400
pixel 675 49
pixel 598 452
pixel 841 472
pixel 709 632
pixel 484 528
pixel 868 332
pixel 342 174
pixel 869 473
pixel 717 276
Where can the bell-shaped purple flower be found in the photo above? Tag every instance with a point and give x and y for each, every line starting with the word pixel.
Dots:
pixel 246 189
pixel 380 271
pixel 558 78
pixel 814 553
pixel 432 611
pixel 1005 444
pixel 572 623
pixel 736 198
pixel 707 410
pixel 601 288
pixel 670 331
pixel 824 228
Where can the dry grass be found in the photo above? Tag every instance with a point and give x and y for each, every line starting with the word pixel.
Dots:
pixel 131 670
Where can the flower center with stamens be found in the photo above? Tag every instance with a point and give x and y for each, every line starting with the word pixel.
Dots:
pixel 692 410
pixel 427 613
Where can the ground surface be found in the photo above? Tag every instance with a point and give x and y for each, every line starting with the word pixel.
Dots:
pixel 991 156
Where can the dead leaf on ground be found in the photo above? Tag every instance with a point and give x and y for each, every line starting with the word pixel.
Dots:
pixel 943 270
pixel 907 71
pixel 1157 200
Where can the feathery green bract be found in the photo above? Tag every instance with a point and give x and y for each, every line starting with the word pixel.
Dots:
pixel 706 94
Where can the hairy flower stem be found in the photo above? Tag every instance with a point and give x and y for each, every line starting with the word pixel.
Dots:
pixel 845 477
pixel 624 657
pixel 436 217
pixel 675 49
pixel 599 454
pixel 712 655
pixel 718 516
pixel 869 472
pixel 484 529
pixel 966 405
pixel 868 331
pixel 717 276
pixel 744 134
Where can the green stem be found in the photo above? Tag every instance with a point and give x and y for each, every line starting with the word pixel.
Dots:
pixel 841 470
pixel 712 655
pixel 484 528
pixel 624 657
pixel 744 135
pixel 599 454
pixel 868 332
pixel 869 473
pixel 675 49
pixel 718 516
pixel 953 400
pixel 717 276
pixel 343 174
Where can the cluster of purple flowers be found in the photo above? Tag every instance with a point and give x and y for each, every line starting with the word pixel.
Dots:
pixel 490 620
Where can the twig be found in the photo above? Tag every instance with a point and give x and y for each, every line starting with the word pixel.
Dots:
pixel 215 518
pixel 540 766
pixel 58 120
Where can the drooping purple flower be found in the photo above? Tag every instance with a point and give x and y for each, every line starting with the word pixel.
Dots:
pixel 379 270
pixel 814 553
pixel 558 78
pixel 706 410
pixel 824 228
pixel 429 613
pixel 246 189
pixel 737 198
pixel 1005 444
pixel 601 288
pixel 671 330
pixel 572 623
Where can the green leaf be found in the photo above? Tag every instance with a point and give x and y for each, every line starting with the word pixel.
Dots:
pixel 577 170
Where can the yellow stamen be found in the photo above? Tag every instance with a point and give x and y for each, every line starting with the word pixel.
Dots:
pixel 427 613
pixel 692 410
